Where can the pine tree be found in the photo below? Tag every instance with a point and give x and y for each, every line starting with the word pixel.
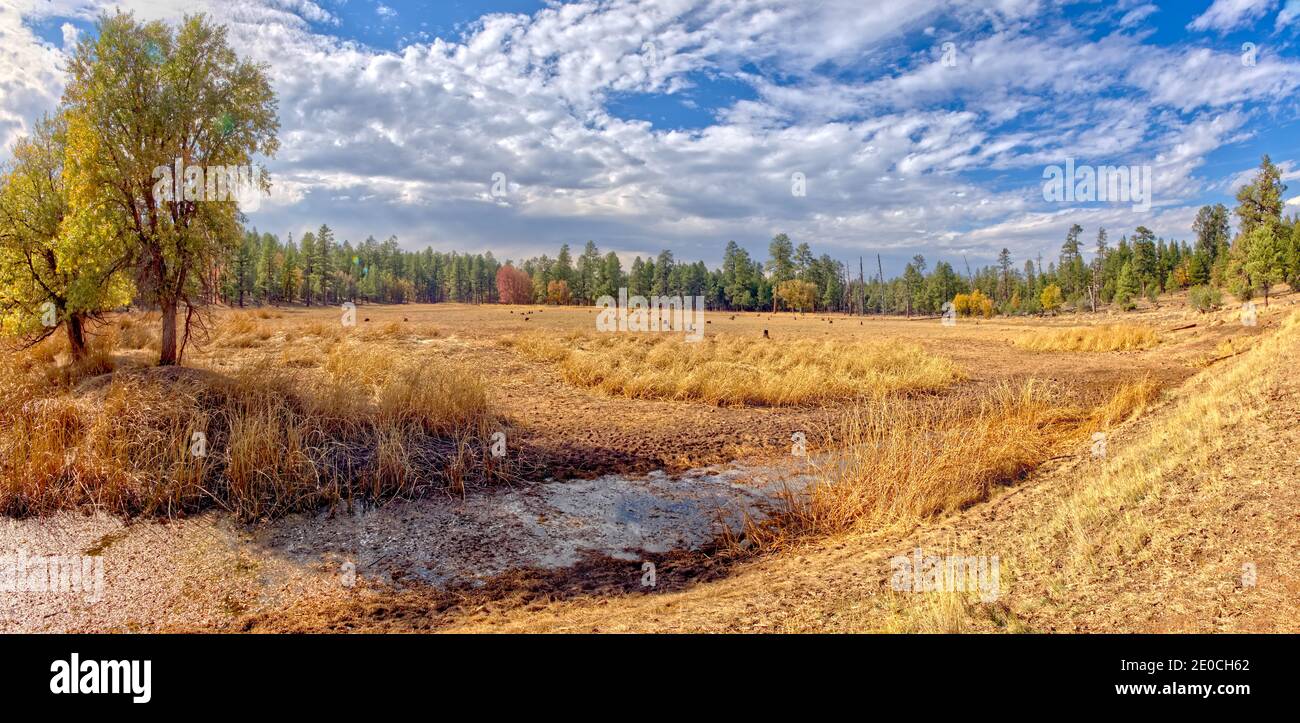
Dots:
pixel 1126 287
pixel 323 263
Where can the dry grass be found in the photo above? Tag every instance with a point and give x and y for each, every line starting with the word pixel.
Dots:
pixel 242 330
pixel 737 371
pixel 1105 337
pixel 367 424
pixel 899 463
pixel 138 331
pixel 1103 521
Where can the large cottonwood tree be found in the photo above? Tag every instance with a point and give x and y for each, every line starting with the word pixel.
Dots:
pixel 143 97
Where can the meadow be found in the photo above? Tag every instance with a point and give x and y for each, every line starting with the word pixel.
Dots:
pixel 307 422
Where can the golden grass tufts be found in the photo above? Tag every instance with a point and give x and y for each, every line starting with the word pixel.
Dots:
pixel 736 371
pixel 397 331
pixel 898 463
pixel 138 331
pixel 367 424
pixel 1101 338
pixel 243 331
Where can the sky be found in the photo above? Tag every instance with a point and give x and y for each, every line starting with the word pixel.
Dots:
pixel 863 128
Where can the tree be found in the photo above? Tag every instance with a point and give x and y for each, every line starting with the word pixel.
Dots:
pixel 1259 202
pixel 268 267
pixel 1051 298
pixel 322 263
pixel 612 277
pixel 1145 260
pixel 514 286
pixel 912 278
pixel 308 256
pixel 562 270
pixel 796 294
pixel 1265 263
pixel 1293 257
pixel 663 274
pixel 143 99
pixel 1126 287
pixel 1070 254
pixel 557 292
pixel 60 263
pixel 1004 275
pixel 780 265
pixel 245 266
pixel 1211 227
pixel 589 272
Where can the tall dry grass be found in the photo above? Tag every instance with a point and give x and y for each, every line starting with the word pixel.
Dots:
pixel 1101 338
pixel 1114 512
pixel 366 425
pixel 243 330
pixel 739 371
pixel 898 462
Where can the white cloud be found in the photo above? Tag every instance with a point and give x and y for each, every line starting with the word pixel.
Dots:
pixel 909 154
pixel 1290 13
pixel 1227 15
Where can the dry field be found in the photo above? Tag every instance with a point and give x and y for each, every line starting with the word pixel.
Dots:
pixel 769 472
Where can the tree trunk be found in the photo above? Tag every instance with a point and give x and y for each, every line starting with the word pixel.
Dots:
pixel 167 357
pixel 76 337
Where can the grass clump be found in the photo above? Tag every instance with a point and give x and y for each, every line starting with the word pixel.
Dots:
pixel 900 463
pixel 274 440
pixel 1101 338
pixel 736 371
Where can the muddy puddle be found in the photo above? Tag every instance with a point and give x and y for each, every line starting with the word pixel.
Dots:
pixel 206 571
pixel 547 526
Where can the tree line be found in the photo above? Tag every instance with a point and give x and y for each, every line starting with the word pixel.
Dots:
pixel 1264 252
pixel 86 228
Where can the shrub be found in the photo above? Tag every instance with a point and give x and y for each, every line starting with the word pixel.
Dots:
pixel 1051 299
pixel 1204 298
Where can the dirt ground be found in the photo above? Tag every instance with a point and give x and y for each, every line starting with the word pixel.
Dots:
pixel 410 566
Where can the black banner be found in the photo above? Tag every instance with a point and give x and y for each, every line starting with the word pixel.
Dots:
pixel 213 673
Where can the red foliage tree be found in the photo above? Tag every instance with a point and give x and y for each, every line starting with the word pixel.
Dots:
pixel 514 286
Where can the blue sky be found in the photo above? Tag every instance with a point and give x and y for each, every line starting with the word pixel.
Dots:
pixel 920 127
